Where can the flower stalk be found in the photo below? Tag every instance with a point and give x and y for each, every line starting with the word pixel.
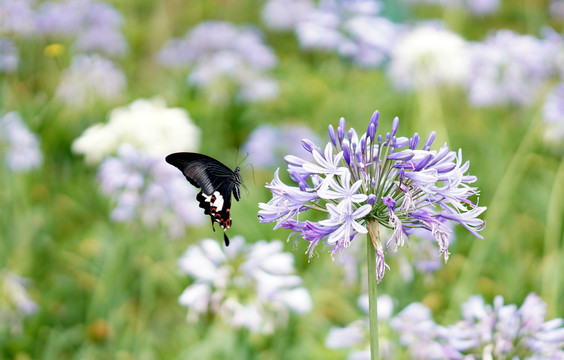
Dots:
pixel 372 240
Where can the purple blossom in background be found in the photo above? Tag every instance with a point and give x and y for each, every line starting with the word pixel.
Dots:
pixel 15 302
pixel 93 26
pixel 251 286
pixel 383 179
pixel 90 79
pixel 351 28
pixel 225 60
pixel 144 187
pixel 284 15
pixel 485 332
pixel 553 114
pixel 476 7
pixel 8 56
pixel 268 143
pixel 17 17
pixel 19 145
pixel 506 331
pixel 508 68
pixel 556 9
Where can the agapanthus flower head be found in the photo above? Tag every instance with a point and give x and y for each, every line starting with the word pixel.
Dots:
pixel 225 60
pixel 249 286
pixel 389 180
pixel 476 7
pixel 144 187
pixel 352 28
pixel 19 145
pixel 90 78
pixel 507 331
pixel 284 15
pixel 148 125
pixel 17 17
pixel 92 25
pixel 509 68
pixel 429 56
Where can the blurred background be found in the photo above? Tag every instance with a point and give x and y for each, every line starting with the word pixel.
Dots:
pixel 103 250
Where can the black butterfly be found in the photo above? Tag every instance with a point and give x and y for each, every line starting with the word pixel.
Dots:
pixel 217 182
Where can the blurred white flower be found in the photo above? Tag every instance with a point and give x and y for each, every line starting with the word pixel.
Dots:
pixel 90 79
pixel 427 57
pixel 20 145
pixel 247 285
pixel 147 125
pixel 15 302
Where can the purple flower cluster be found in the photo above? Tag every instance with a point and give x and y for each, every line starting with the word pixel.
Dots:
pixel 223 56
pixel 495 332
pixel 19 145
pixel 93 26
pixel 352 28
pixel 485 332
pixel 388 180
pixel 477 7
pixel 509 68
pixel 267 143
pixel 145 187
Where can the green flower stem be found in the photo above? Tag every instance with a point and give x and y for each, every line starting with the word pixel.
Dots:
pixel 372 238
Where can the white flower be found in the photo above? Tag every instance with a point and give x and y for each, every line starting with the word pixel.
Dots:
pixel 429 57
pixel 147 125
pixel 248 285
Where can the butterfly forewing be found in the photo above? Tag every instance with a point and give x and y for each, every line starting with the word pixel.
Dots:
pixel 217 182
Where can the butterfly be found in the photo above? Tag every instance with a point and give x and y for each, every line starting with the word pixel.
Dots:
pixel 217 182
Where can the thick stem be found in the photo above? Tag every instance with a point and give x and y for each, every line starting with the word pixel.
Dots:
pixel 371 240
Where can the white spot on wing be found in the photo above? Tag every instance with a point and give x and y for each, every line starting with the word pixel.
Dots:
pixel 218 201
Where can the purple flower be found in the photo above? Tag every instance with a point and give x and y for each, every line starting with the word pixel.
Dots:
pixel 21 146
pixel 15 302
pixel 506 331
pixel 93 26
pixel 222 56
pixel 8 56
pixel 284 15
pixel 361 179
pixel 145 188
pixel 89 79
pixel 351 28
pixel 267 143
pixel 553 113
pixel 17 17
pixel 508 68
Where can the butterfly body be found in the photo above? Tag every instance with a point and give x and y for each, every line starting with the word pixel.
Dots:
pixel 217 183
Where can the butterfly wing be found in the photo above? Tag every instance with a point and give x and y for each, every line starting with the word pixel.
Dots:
pixel 216 180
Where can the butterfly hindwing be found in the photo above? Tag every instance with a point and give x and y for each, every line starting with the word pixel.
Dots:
pixel 217 182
